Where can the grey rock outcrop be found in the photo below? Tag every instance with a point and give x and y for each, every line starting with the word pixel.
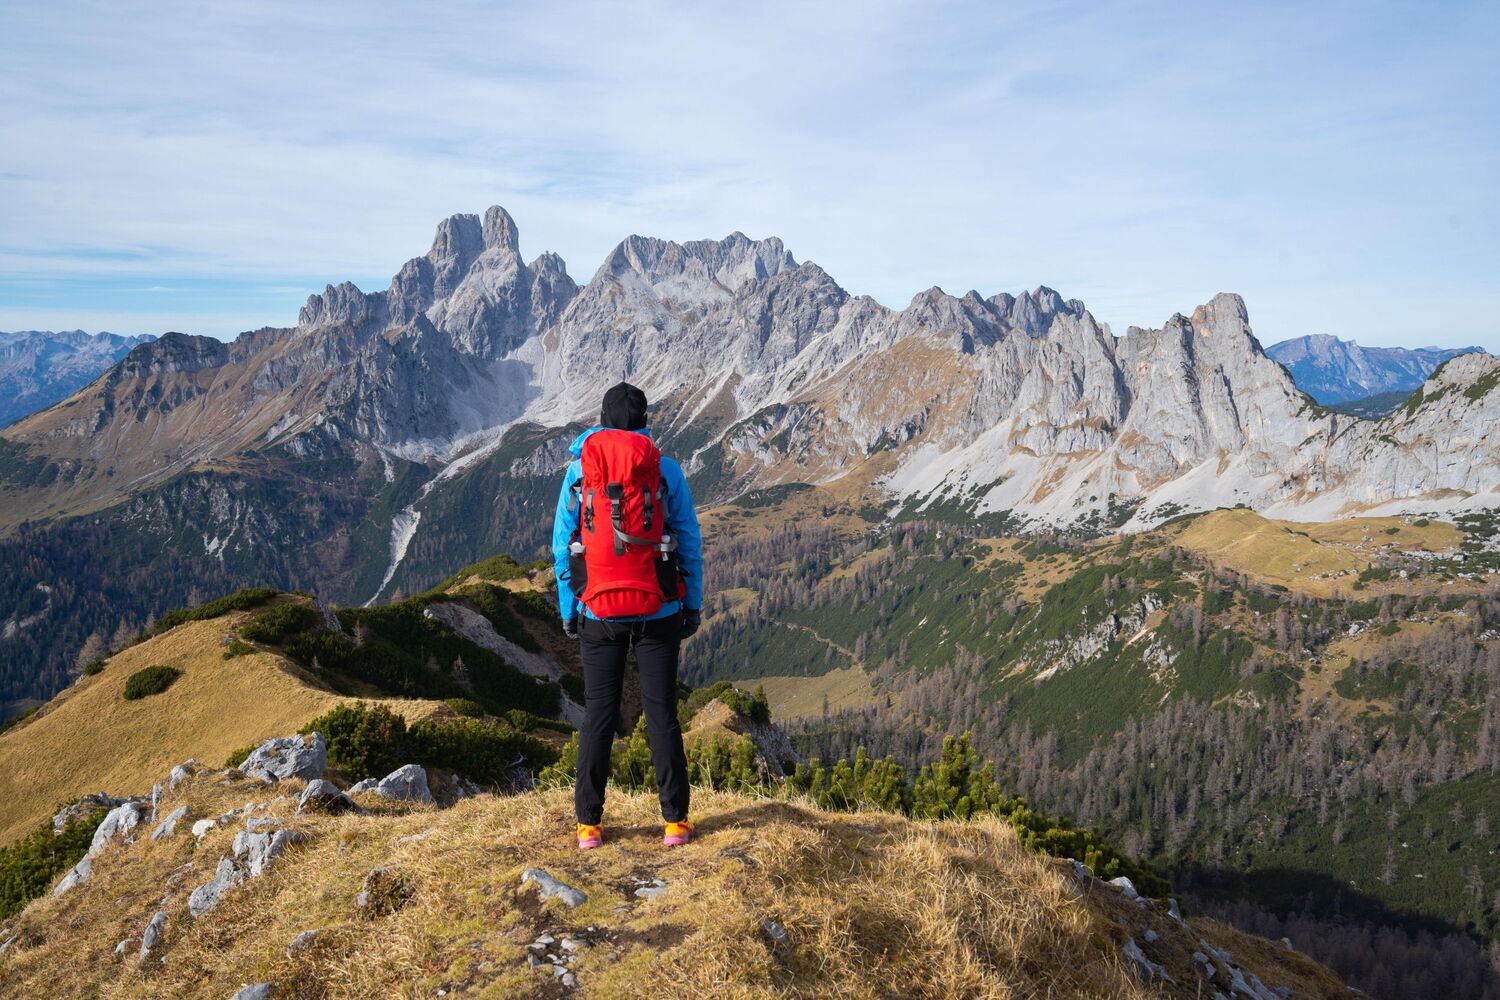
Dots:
pixel 255 991
pixel 120 822
pixel 304 757
pixel 78 875
pixel 83 808
pixel 208 895
pixel 168 826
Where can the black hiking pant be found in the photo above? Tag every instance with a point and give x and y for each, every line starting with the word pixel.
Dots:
pixel 604 646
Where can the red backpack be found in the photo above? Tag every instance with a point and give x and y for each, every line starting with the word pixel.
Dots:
pixel 622 562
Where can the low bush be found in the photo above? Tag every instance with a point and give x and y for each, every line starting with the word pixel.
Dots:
pixel 237 648
pixel 466 707
pixel 149 681
pixel 371 741
pixel 238 757
pixel 28 868
pixel 754 707
pixel 240 600
pixel 93 667
pixel 275 625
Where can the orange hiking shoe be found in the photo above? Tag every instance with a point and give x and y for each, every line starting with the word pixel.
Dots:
pixel 678 834
pixel 590 836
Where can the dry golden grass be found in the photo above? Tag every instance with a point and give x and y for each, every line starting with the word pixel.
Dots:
pixel 875 905
pixel 90 739
pixel 1245 542
pixel 803 697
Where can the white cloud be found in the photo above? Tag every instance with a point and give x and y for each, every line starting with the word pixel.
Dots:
pixel 1334 167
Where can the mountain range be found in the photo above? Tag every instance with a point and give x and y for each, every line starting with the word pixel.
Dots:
pixel 390 434
pixel 39 367
pixel 1334 371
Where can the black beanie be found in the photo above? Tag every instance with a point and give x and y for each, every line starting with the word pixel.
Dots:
pixel 624 408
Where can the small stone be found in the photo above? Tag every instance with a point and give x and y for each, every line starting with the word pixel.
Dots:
pixel 1286 943
pixel 569 980
pixel 650 888
pixel 568 944
pixel 549 886
pixel 367 785
pixel 261 823
pixel 1126 887
pixel 255 991
pixel 1146 969
pixel 122 948
pixel 203 826
pixel 1150 936
pixel 532 961
pixel 153 933
pixel 777 933
pixel 179 774
pixel 118 823
pixel 303 941
pixel 558 971
pixel 385 890
pixel 324 796
pixel 1173 911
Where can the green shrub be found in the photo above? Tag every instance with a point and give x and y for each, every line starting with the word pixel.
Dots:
pixel 275 625
pixel 371 741
pixel 28 868
pixel 525 721
pixel 149 681
pixel 93 667
pixel 1421 522
pixel 364 741
pixel 238 757
pixel 466 707
pixel 237 648
pixel 16 720
pixel 240 600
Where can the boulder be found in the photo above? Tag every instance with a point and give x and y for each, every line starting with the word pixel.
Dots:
pixel 209 894
pixel 202 827
pixel 152 934
pixel 367 785
pixel 168 826
pixel 80 874
pixel 304 757
pixel 324 796
pixel 408 782
pixel 179 774
pixel 547 885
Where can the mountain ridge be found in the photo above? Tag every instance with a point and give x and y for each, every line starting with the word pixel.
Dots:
pixel 1332 370
pixel 41 367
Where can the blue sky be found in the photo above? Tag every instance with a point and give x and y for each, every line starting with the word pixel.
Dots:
pixel 204 167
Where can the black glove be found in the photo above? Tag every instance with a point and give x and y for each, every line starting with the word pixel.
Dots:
pixel 690 621
pixel 570 627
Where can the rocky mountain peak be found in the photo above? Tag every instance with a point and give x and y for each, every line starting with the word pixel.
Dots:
pixel 500 230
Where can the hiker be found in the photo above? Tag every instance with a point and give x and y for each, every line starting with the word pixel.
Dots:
pixel 629 561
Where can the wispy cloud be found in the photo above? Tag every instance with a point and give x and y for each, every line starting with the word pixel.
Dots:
pixel 1335 164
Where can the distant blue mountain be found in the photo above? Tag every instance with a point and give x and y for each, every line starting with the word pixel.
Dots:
pixel 1334 371
pixel 39 367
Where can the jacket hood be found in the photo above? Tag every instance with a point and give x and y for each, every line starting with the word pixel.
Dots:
pixel 576 448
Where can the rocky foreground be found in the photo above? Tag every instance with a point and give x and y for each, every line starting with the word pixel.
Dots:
pixel 270 881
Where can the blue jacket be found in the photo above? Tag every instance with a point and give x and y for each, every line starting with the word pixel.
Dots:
pixel 682 522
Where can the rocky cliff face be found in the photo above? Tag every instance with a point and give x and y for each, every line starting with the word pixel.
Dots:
pixel 436 410
pixel 1332 371
pixel 38 368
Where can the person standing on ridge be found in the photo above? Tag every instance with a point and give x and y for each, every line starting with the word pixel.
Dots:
pixel 628 555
